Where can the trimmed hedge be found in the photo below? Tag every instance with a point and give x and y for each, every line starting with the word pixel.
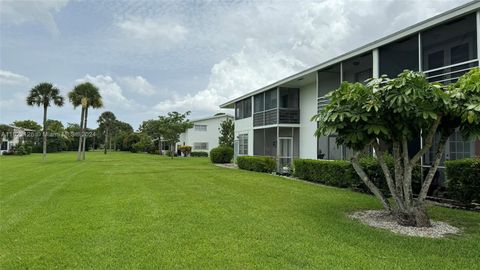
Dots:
pixel 221 154
pixel 199 154
pixel 329 172
pixel 340 173
pixel 463 179
pixel 257 163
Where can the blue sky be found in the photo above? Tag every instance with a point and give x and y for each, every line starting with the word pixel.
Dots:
pixel 151 57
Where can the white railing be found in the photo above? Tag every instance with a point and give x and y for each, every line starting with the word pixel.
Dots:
pixel 450 73
pixel 322 102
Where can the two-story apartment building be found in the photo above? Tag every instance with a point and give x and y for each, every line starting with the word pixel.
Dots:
pixel 275 120
pixel 203 136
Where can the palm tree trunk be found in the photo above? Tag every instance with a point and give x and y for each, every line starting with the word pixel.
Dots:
pixel 44 132
pixel 105 143
pixel 81 135
pixel 84 135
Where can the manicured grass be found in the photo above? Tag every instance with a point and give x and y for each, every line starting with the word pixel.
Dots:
pixel 123 211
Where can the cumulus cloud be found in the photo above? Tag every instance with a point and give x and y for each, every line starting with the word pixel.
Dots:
pixel 40 11
pixel 280 40
pixel 112 93
pixel 10 78
pixel 161 32
pixel 243 71
pixel 137 84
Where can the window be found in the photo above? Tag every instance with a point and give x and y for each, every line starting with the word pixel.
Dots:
pixel 200 146
pixel 271 99
pixel 243 144
pixel 200 127
pixel 258 103
pixel 289 98
pixel 4 145
pixel 243 108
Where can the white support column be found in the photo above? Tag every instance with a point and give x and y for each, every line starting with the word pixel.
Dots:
pixel 478 37
pixel 341 72
pixel 376 63
pixel 420 62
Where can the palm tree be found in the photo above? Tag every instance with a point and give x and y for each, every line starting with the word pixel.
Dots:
pixel 85 95
pixel 44 94
pixel 107 122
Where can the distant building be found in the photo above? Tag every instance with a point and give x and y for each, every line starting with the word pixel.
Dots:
pixel 14 137
pixel 203 136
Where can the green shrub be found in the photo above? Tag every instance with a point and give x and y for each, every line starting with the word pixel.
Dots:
pixel 257 163
pixel 199 154
pixel 329 172
pixel 463 179
pixel 221 154
pixel 340 173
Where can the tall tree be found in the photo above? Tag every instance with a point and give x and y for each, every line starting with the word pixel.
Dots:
pixel 85 95
pixel 387 115
pixel 44 94
pixel 107 122
pixel 28 124
pixel 227 130
pixel 172 126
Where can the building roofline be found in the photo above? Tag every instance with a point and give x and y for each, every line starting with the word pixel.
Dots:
pixel 15 127
pixel 415 28
pixel 212 117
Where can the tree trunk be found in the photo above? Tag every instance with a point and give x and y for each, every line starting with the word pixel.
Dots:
pixel 370 185
pixel 81 134
pixel 159 146
pixel 105 142
pixel 44 132
pixel 431 172
pixel 389 179
pixel 84 136
pixel 415 216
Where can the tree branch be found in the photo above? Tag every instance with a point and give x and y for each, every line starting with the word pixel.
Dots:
pixel 386 171
pixel 358 168
pixel 407 174
pixel 433 169
pixel 428 141
pixel 397 155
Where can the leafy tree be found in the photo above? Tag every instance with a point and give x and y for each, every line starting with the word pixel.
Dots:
pixel 130 140
pixel 155 130
pixel 387 114
pixel 56 136
pixel 144 144
pixel 28 124
pixel 44 94
pixel 227 130
pixel 122 130
pixel 172 126
pixel 85 95
pixel 107 122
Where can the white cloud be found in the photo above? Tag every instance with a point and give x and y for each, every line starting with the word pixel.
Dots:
pixel 137 84
pixel 280 40
pixel 252 67
pixel 10 78
pixel 41 11
pixel 111 92
pixel 161 32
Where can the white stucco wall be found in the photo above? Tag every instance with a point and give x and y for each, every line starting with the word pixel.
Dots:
pixel 209 136
pixel 245 126
pixel 308 108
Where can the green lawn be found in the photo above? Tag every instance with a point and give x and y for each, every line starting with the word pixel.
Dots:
pixel 123 211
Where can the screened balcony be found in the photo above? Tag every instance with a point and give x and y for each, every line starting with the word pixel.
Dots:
pixel 276 106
